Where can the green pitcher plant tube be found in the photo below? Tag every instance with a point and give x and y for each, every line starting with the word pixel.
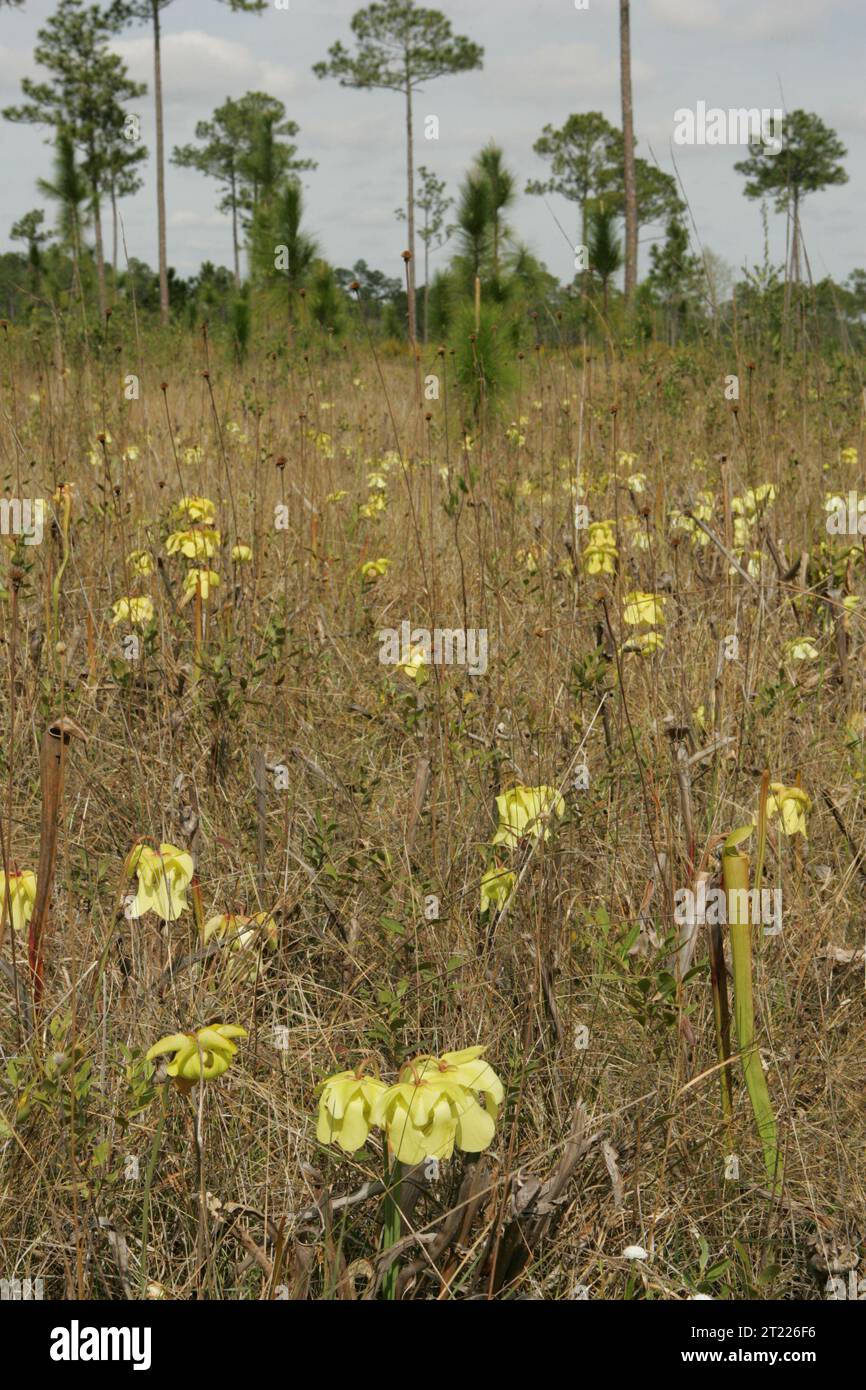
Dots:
pixel 735 877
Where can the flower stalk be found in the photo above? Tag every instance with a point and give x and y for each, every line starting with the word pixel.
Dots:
pixel 64 497
pixel 735 875
pixel 197 634
pixel 55 742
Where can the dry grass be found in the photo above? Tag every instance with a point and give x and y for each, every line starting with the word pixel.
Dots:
pixel 290 671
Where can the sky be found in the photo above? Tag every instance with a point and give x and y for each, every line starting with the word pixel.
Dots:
pixel 543 60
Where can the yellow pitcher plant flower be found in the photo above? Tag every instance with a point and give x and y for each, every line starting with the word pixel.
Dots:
pixel 468 1067
pixel 228 923
pixel 433 1108
pixel 201 1055
pixel 345 1108
pixel 137 611
pixel 702 511
pixel 528 560
pixel 244 933
pixel 429 1112
pixel 372 570
pixel 521 812
pixel 515 432
pixel 753 500
pixel 801 649
pixel 415 666
pixel 22 896
pixel 242 554
pixel 754 563
pixel 140 562
pixel 200 544
pixel 324 442
pixel 195 509
pixel 644 608
pixel 497 885
pixel 790 804
pixel 202 580
pixel 375 503
pixel 600 552
pixel 636 533
pixel 164 875
pixel 645 642
pixel 741 534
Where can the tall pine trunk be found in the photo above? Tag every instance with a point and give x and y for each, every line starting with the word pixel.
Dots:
pixel 628 151
pixel 235 231
pixel 410 212
pixel 99 252
pixel 795 250
pixel 426 272
pixel 160 165
pixel 114 232
pixel 75 242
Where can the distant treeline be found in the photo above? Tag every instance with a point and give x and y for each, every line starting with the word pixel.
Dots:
pixel 487 293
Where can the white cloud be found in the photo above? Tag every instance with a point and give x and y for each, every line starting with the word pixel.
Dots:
pixel 579 70
pixel 743 20
pixel 15 63
pixel 777 20
pixel 687 14
pixel 372 132
pixel 185 217
pixel 200 68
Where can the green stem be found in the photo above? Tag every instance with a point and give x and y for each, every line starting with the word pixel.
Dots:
pixel 761 850
pixel 735 873
pixel 392 1227
pixel 58 578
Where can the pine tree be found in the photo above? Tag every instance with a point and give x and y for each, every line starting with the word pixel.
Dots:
pixel 808 161
pixel 69 190
pixel 399 48
pixel 583 157
pixel 230 150
pixel 29 229
pixel 433 231
pixel 605 251
pixel 85 97
pixel 500 182
pixel 148 12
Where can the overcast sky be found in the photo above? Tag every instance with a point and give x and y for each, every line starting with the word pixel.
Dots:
pixel 544 59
